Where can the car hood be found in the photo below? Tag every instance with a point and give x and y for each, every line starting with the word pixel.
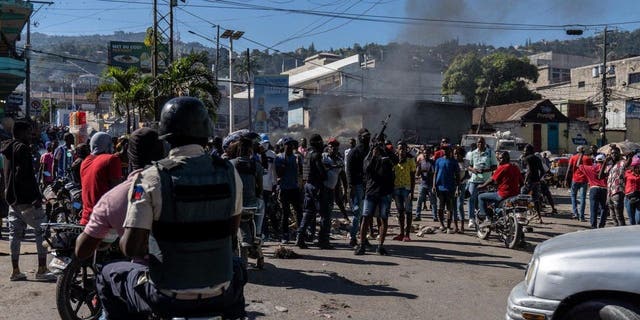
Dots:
pixel 603 259
pixel 600 240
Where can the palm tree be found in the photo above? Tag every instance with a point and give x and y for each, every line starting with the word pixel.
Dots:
pixel 129 89
pixel 190 76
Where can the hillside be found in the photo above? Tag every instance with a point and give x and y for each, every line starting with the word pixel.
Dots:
pixel 48 69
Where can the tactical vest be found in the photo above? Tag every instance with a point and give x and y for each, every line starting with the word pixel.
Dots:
pixel 247 169
pixel 190 243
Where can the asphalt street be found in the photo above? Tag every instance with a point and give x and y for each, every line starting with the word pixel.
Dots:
pixel 438 276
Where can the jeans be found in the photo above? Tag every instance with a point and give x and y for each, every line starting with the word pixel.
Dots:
pixel 575 186
pixel 376 206
pixel 424 191
pixel 458 205
pixel 633 211
pixel 317 200
pixel 19 217
pixel 486 198
pixel 473 199
pixel 597 206
pixel 125 297
pixel 357 197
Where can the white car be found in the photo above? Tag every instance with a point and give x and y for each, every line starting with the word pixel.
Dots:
pixel 592 274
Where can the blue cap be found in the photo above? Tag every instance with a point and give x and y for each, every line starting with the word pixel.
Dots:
pixel 264 137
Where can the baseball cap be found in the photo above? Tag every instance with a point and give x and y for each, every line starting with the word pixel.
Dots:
pixel 600 157
pixel 333 141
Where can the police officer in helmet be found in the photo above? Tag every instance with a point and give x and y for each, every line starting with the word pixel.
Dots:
pixel 182 212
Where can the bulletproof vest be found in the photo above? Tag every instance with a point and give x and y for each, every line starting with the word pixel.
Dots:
pixel 247 170
pixel 190 243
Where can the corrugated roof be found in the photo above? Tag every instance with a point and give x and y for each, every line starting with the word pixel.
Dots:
pixel 505 112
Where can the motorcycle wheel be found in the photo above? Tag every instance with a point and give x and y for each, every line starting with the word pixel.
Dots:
pixel 76 293
pixel 512 234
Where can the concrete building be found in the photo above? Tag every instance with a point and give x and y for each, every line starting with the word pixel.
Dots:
pixel 556 67
pixel 13 17
pixel 538 122
pixel 582 97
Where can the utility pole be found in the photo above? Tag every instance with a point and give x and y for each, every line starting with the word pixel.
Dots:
pixel 249 88
pixel 605 95
pixel 172 3
pixel 217 52
pixel 27 79
pixel 154 60
pixel 27 54
pixel 232 35
pixel 483 116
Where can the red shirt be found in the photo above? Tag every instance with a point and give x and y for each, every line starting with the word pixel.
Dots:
pixel 578 176
pixel 631 183
pixel 438 154
pixel 591 173
pixel 509 180
pixel 96 171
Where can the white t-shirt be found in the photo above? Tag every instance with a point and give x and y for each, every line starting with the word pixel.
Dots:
pixel 269 177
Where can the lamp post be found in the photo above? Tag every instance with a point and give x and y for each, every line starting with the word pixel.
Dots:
pixel 232 35
pixel 603 73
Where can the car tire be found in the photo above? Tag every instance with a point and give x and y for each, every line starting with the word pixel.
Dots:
pixel 604 310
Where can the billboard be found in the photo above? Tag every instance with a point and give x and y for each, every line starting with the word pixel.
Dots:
pixel 135 54
pixel 633 109
pixel 271 101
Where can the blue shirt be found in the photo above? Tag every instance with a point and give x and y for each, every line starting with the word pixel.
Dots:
pixel 446 170
pixel 289 179
pixel 64 156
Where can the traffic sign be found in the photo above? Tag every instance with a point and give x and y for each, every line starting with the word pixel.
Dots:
pixel 36 105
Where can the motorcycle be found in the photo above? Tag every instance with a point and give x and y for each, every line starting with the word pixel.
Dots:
pixel 63 201
pixel 508 218
pixel 76 292
pixel 246 243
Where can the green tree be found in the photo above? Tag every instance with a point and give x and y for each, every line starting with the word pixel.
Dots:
pixel 503 77
pixel 190 76
pixel 129 88
pixel 461 77
pixel 499 78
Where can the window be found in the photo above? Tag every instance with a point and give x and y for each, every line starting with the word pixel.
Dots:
pixel 611 82
pixel 560 75
pixel 634 77
pixel 581 84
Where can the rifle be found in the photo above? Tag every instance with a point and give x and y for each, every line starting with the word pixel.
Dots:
pixel 378 138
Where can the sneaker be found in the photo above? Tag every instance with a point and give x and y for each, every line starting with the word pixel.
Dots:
pixel 360 251
pixel 472 224
pixel 417 219
pixel 381 251
pixel 18 277
pixel 406 239
pixel 284 241
pixel 367 243
pixel 46 276
pixel 583 220
pixel 353 243
pixel 398 237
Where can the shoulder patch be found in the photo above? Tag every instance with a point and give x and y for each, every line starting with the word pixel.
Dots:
pixel 138 192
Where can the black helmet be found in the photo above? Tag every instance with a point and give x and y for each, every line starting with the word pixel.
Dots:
pixel 186 117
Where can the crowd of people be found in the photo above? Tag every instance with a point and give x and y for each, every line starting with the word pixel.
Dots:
pixel 175 202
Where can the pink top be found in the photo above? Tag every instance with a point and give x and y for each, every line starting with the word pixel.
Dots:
pixel 111 210
pixel 47 162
